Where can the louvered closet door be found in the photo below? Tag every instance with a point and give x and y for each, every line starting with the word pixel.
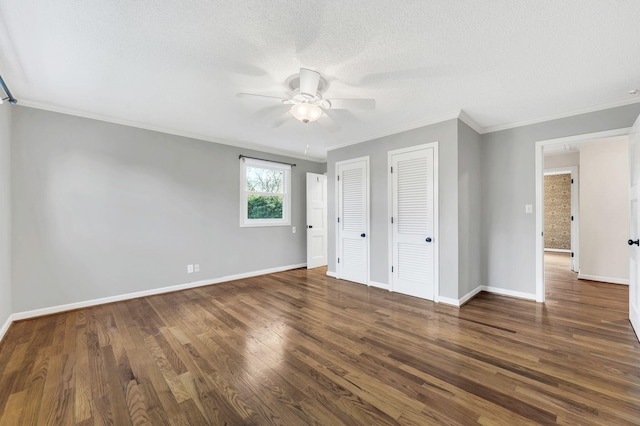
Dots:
pixel 353 220
pixel 413 239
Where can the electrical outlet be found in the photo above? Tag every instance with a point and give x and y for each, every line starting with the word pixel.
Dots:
pixel 293 229
pixel 196 267
pixel 189 269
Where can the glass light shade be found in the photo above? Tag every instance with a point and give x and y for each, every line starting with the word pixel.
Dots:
pixel 306 112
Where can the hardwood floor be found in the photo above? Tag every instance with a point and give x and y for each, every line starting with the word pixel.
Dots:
pixel 300 348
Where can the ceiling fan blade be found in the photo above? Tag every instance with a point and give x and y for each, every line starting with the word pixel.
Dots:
pixel 352 103
pixel 282 119
pixel 262 98
pixel 329 123
pixel 309 81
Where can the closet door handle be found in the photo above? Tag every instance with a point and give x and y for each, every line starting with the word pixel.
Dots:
pixel 363 235
pixel 428 239
pixel 636 242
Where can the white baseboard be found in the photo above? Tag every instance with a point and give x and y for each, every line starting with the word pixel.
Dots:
pixel 379 285
pixel 448 301
pixel 464 299
pixel 507 292
pixel 557 250
pixel 603 279
pixel 332 274
pixel 5 326
pixel 151 292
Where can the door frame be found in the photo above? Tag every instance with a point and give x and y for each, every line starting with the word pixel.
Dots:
pixel 436 239
pixel 575 211
pixel 368 214
pixel 539 202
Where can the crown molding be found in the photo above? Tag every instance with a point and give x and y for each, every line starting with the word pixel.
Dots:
pixel 466 119
pixel 558 116
pixel 229 142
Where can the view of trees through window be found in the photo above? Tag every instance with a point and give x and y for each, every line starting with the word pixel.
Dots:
pixel 266 186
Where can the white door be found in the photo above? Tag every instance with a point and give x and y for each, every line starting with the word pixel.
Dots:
pixel 316 220
pixel 634 228
pixel 413 224
pixel 353 220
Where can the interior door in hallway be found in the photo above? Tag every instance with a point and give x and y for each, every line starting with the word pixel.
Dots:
pixel 414 221
pixel 316 220
pixel 353 220
pixel 634 227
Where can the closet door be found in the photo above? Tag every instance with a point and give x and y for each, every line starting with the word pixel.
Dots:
pixel 413 223
pixel 353 220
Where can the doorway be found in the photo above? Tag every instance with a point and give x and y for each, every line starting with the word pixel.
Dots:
pixel 587 141
pixel 561 208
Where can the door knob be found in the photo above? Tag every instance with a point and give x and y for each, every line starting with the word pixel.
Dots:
pixel 636 242
pixel 309 226
pixel 428 239
pixel 363 235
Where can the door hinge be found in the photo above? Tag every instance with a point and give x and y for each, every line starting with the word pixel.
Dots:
pixel 338 178
pixel 571 180
pixel 317 179
pixel 571 217
pixel 338 220
pixel 391 219
pixel 392 169
pixel 392 269
pixel 571 254
pixel 338 260
pixel 542 234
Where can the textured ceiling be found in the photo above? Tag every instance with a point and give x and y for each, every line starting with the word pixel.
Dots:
pixel 176 66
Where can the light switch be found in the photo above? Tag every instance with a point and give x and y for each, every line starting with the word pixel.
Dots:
pixel 189 269
pixel 293 229
pixel 528 208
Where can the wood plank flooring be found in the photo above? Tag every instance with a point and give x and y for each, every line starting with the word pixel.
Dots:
pixel 298 348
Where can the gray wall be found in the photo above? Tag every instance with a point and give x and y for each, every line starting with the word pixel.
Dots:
pixel 469 209
pixel 445 134
pixel 508 169
pixel 5 213
pixel 102 209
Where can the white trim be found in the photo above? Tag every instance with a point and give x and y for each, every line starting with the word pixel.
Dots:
pixel 332 274
pixel 464 117
pixel 557 250
pixel 539 207
pixel 459 302
pixel 229 142
pixel 118 298
pixel 603 279
pixel 5 326
pixel 508 292
pixel 572 113
pixel 448 301
pixel 379 285
pixel 436 209
pixel 464 299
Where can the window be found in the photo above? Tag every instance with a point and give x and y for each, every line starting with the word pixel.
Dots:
pixel 265 193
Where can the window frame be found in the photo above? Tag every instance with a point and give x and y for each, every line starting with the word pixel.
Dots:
pixel 245 222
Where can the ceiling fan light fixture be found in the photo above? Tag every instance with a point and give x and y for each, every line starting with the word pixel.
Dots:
pixel 306 112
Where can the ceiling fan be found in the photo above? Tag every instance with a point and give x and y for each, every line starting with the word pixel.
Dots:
pixel 307 103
